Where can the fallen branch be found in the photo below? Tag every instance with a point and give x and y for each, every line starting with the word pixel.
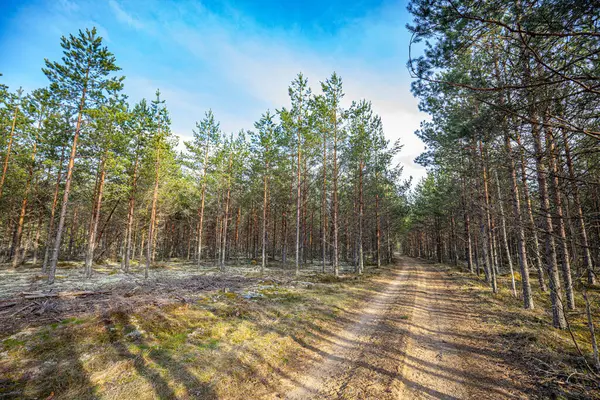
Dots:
pixel 10 304
pixel 30 295
pixel 22 309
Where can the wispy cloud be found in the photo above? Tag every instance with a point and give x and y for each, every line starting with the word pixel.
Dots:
pixel 67 5
pixel 123 15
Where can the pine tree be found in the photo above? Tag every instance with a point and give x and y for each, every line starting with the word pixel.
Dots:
pixel 206 136
pixel 41 105
pixel 85 61
pixel 159 147
pixel 108 119
pixel 299 93
pixel 265 145
pixel 140 126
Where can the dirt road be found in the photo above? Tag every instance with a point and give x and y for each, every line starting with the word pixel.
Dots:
pixel 418 338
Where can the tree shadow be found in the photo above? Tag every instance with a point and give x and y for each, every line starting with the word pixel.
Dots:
pixel 327 345
pixel 179 373
pixel 64 378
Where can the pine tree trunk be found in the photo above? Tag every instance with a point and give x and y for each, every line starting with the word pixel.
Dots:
pixel 274 213
pixel 298 204
pixel 142 241
pixel 50 230
pixel 264 225
pixel 226 214
pixel 151 235
pixel 17 238
pixel 558 316
pixel 505 238
pixel 377 229
pixel 494 250
pixel 134 242
pixel 587 256
pixel 597 230
pixel 534 231
pixel 521 244
pixel 347 239
pixel 390 254
pixel 438 241
pixel 310 236
pixel 8 148
pixel 467 224
pixel 453 239
pixel 304 203
pixel 236 234
pixel 36 243
pixel 155 237
pixel 488 229
pixel 73 233
pixel 324 205
pixel 202 200
pixel 130 216
pixel 67 190
pixel 562 235
pixel 476 253
pixel 89 257
pixel 284 237
pixel 590 322
pixel 336 264
pixel 255 232
pixel 361 265
pixel 23 252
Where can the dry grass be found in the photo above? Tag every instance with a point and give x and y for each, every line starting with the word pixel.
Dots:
pixel 222 345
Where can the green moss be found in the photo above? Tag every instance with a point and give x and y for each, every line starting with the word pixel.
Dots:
pixel 72 320
pixel 11 343
pixel 175 341
pixel 281 295
pixel 210 344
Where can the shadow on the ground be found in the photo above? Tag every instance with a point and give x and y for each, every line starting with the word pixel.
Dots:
pixel 168 376
pixel 176 371
pixel 385 352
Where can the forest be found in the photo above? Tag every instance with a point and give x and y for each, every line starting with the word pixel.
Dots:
pixel 513 146
pixel 89 177
pixel 294 258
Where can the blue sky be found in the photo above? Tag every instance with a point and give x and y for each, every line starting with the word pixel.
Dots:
pixel 236 57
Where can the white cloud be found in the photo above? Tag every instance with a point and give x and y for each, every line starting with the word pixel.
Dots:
pixel 67 6
pixel 124 16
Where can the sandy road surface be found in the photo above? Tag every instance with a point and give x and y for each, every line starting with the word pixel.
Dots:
pixel 416 339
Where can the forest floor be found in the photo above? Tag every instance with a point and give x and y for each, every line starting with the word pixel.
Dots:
pixel 414 330
pixel 26 298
